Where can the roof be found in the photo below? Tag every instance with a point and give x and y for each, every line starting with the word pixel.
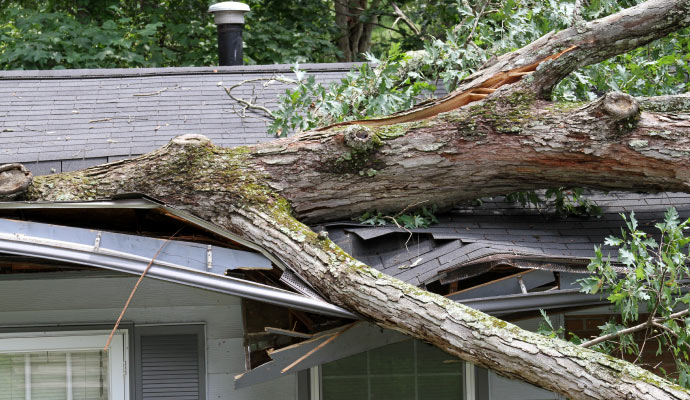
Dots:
pixel 56 121
pixel 498 232
pixel 195 264
pixel 63 120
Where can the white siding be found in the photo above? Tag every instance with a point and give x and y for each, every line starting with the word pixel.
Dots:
pixel 99 301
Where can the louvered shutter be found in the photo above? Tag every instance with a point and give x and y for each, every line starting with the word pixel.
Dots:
pixel 170 366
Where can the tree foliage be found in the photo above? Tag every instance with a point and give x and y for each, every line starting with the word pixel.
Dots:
pixel 650 273
pixel 105 34
pixel 486 29
pixel 123 34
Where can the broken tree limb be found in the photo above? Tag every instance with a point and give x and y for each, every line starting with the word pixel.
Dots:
pixel 455 99
pixel 14 180
pixel 134 290
pixel 556 56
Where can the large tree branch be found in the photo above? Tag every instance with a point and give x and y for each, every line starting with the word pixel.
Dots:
pixel 554 56
pixel 506 143
pixel 595 41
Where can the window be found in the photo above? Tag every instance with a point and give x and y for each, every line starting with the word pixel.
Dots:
pixel 409 370
pixel 63 366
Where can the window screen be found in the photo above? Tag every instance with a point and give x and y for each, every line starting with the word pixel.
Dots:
pixel 63 365
pixel 409 370
pixel 54 375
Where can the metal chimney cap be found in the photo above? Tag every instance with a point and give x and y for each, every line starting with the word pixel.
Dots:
pixel 228 12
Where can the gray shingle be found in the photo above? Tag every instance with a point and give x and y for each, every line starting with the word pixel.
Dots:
pixel 508 230
pixel 133 106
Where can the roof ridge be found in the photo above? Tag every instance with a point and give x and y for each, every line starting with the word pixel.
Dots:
pixel 170 71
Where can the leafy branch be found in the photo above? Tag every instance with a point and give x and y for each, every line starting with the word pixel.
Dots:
pixel 422 218
pixel 650 273
pixel 563 201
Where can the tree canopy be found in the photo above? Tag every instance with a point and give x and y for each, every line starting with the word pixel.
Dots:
pixel 459 35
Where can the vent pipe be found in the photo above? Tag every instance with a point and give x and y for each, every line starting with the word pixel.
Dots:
pixel 229 17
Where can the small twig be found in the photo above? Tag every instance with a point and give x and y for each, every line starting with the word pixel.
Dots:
pixel 401 212
pixel 100 120
pixel 610 336
pixel 644 343
pixel 136 285
pixel 577 13
pixel 633 329
pixel 315 349
pixel 250 105
pixel 477 17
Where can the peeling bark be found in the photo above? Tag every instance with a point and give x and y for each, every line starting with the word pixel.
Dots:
pixel 510 140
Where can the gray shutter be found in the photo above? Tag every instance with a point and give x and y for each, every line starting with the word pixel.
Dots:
pixel 170 365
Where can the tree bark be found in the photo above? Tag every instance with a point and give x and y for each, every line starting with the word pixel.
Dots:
pixel 510 140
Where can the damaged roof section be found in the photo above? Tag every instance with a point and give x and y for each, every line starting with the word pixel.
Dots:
pixel 168 243
pixel 499 248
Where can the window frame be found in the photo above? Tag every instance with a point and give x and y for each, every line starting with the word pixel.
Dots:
pixel 78 340
pixel 314 391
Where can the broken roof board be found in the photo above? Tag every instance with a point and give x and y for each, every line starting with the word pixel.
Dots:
pixel 362 337
pixel 80 246
pixel 498 227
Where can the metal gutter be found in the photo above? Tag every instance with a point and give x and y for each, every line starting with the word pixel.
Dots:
pixel 223 233
pixel 91 255
pixel 201 257
pixel 500 305
pixel 144 203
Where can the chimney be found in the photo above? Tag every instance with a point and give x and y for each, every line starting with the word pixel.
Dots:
pixel 229 17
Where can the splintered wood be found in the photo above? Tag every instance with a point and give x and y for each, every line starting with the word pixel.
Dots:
pixel 455 99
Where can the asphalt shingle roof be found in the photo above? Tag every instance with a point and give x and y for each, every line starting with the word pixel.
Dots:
pixel 55 121
pixel 467 235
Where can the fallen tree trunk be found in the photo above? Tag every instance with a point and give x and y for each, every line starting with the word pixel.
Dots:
pixel 510 140
pixel 226 187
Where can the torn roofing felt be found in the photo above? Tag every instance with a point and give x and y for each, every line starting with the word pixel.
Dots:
pixel 468 240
